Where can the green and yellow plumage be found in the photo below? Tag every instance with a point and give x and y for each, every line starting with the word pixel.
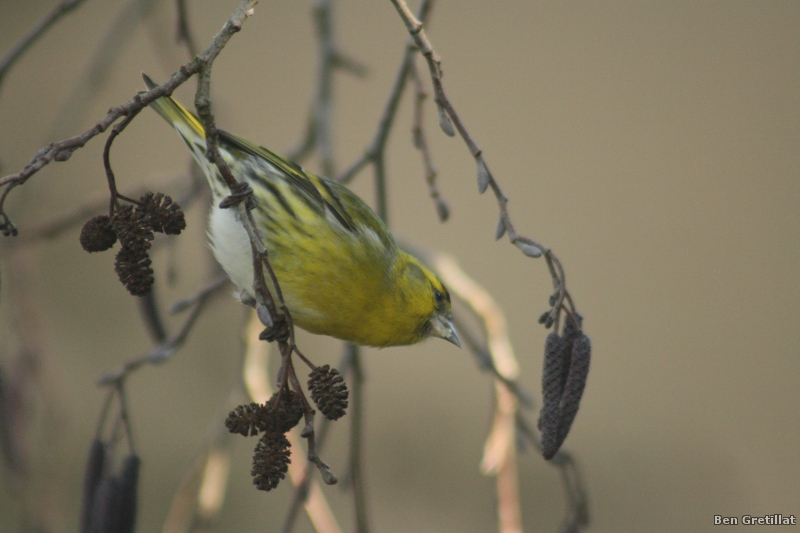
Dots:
pixel 340 270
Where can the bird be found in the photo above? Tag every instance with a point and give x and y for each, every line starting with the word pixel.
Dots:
pixel 340 270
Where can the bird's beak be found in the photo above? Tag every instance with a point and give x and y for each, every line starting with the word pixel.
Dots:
pixel 444 329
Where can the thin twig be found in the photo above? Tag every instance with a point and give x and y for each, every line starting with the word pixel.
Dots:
pixel 148 307
pixel 318 132
pixel 38 29
pixel 323 17
pixel 308 433
pixel 204 292
pixel 166 349
pixel 377 147
pixel 241 198
pixel 305 491
pixel 112 184
pixel 241 194
pixel 448 117
pixel 305 147
pixel 61 150
pixel 421 142
pixel 184 34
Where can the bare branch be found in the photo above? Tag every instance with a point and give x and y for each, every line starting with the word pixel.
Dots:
pixel 449 117
pixel 323 17
pixel 184 32
pixel 38 29
pixel 374 154
pixel 62 150
pixel 415 29
pixel 318 134
pixel 204 292
pixel 166 349
pixel 421 142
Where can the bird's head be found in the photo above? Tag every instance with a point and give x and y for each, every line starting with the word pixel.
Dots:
pixel 426 299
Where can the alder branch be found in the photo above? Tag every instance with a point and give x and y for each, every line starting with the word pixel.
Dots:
pixel 318 133
pixel 241 196
pixel 421 142
pixel 105 58
pixel 449 117
pixel 166 349
pixel 323 100
pixel 304 490
pixel 38 29
pixel 184 33
pixel 62 150
pixel 374 154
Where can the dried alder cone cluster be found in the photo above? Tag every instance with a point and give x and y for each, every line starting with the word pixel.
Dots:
pixel 280 414
pixel 134 227
pixel 566 367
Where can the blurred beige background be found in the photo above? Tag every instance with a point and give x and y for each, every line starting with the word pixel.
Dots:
pixel 654 146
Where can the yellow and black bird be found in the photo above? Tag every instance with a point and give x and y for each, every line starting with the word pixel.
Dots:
pixel 340 269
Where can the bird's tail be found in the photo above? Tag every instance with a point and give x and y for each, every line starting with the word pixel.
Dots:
pixel 190 129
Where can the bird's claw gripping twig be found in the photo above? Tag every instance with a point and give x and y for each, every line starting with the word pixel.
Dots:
pixel 279 331
pixel 240 192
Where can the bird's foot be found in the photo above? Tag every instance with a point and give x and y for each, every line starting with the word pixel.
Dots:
pixel 278 332
pixel 241 192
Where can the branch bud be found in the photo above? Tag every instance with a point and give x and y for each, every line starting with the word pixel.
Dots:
pixel 484 177
pixel 444 122
pixel 501 229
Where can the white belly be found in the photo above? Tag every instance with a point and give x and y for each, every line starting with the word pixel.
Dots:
pixel 231 246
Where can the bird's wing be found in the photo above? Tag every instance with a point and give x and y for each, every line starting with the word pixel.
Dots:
pixel 314 187
pixel 320 191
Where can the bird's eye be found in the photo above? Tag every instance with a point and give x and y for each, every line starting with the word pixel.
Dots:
pixel 439 296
